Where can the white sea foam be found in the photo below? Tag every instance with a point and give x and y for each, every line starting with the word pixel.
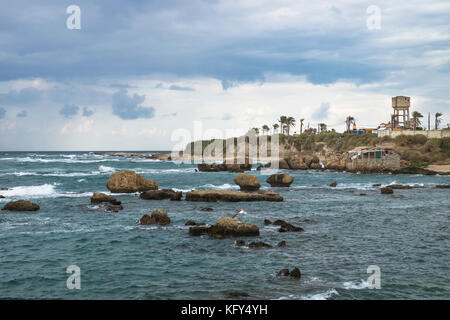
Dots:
pixel 44 190
pixel 321 296
pixel 106 169
pixel 355 285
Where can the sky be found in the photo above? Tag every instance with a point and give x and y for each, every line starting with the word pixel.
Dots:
pixel 136 75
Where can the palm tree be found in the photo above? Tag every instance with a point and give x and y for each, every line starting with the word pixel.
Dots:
pixel 301 125
pixel 416 115
pixel 290 122
pixel 275 127
pixel 265 128
pixel 256 130
pixel 282 122
pixel 323 127
pixel 437 120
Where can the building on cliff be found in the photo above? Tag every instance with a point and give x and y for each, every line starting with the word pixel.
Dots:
pixel 372 160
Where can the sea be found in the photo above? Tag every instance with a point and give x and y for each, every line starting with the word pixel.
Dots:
pixel 357 243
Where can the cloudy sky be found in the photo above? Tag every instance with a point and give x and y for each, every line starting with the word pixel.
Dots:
pixel 138 72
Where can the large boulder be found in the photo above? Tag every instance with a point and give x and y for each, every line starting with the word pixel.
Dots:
pixel 297 162
pixel 99 197
pixel 158 217
pixel 21 205
pixel 280 180
pixel 247 182
pixel 128 182
pixel 227 226
pixel 161 194
pixel 231 196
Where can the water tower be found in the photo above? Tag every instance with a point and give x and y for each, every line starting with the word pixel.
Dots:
pixel 400 118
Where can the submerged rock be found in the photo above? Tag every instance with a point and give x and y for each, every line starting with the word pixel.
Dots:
pixel 281 244
pixel 399 186
pixel 295 273
pixel 286 227
pixel 280 180
pixel 267 222
pixel 161 194
pixel 386 190
pixel 114 208
pixel 158 217
pixel 247 182
pixel 193 223
pixel 259 244
pixel 21 205
pixel 333 184
pixel 99 197
pixel 231 196
pixel 376 185
pixel 1 197
pixel 413 170
pixel 443 186
pixel 206 209
pixel 129 182
pixel 240 243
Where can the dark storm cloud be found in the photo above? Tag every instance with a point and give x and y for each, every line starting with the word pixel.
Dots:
pixel 69 110
pixel 129 108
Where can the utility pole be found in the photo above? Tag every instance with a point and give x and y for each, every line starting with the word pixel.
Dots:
pixel 428 121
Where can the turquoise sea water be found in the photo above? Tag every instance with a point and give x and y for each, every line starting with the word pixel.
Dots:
pixel 406 234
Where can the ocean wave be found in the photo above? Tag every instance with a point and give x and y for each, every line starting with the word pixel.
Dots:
pixel 316 296
pixel 60 160
pixel 106 169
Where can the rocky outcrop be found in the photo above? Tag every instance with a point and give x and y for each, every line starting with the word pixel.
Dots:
pixel 21 205
pixel 99 197
pixel 333 184
pixel 129 182
pixel 231 196
pixel 207 209
pixel 157 217
pixel 443 186
pixel 1 197
pixel 161 156
pixel 230 167
pixel 413 170
pixel 240 243
pixel 247 182
pixel 386 190
pixel 161 195
pixel 238 294
pixel 280 180
pixel 227 226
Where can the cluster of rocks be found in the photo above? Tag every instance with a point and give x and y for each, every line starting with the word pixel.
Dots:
pixel 111 203
pixel 295 273
pixel 296 162
pixel 157 156
pixel 230 167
